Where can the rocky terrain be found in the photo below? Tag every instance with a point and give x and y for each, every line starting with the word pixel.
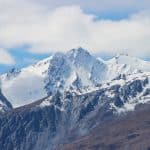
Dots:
pixel 130 132
pixel 75 101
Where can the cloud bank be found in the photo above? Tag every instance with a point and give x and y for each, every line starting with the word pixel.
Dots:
pixel 47 30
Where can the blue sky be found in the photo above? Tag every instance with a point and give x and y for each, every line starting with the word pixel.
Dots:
pixel 104 27
pixel 23 58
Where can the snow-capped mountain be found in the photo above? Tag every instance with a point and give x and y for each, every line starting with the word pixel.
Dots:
pixel 26 85
pixel 67 95
pixel 133 62
pixel 125 64
pixel 76 69
pixel 64 116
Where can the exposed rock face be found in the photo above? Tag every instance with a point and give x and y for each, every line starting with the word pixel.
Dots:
pixel 78 92
pixel 65 116
pixel 5 105
pixel 128 133
pixel 27 129
pixel 76 69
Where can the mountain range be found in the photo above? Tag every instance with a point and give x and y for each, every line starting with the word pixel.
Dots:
pixel 71 98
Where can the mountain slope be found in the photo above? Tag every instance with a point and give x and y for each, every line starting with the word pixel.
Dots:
pixel 130 132
pixel 58 71
pixel 125 64
pixel 77 69
pixel 5 105
pixel 26 85
pixel 133 62
pixel 65 116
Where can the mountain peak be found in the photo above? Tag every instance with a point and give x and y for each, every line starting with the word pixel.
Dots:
pixel 124 58
pixel 132 64
pixel 122 54
pixel 75 52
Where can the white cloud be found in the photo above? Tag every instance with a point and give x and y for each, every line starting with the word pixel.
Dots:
pixel 6 58
pixel 99 5
pixel 45 30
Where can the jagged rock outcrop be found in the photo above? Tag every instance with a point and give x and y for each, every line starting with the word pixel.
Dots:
pixel 68 115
